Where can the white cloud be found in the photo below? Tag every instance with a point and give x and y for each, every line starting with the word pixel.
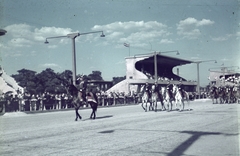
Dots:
pixel 166 41
pixel 23 35
pixel 20 42
pixel 189 28
pixel 219 39
pixel 133 32
pixel 49 65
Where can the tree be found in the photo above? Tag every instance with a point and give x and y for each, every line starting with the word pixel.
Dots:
pixel 26 78
pixel 95 75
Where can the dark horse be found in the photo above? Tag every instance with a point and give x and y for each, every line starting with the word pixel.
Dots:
pixel 77 99
pixel 92 100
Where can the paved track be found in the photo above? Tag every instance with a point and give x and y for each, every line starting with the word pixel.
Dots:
pixel 208 129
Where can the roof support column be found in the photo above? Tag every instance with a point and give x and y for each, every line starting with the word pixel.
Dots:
pixel 155 67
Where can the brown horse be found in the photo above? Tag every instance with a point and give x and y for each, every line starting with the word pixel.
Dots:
pixel 93 101
pixel 77 99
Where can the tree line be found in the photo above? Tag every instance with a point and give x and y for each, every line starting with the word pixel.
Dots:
pixel 49 81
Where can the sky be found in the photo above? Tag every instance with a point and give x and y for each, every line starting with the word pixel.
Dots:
pixel 201 30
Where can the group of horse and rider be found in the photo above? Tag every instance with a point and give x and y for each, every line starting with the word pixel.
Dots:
pixel 152 94
pixel 166 95
pixel 82 96
pixel 225 94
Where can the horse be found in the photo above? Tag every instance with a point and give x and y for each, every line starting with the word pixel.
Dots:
pixel 145 99
pixel 214 94
pixel 222 94
pixel 156 96
pixel 167 97
pixel 180 95
pixel 77 99
pixel 228 94
pixel 92 100
pixel 235 92
pixel 238 95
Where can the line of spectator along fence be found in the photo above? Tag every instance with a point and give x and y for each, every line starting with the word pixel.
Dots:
pixel 48 101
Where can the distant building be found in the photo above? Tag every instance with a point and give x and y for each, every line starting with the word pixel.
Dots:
pixel 224 77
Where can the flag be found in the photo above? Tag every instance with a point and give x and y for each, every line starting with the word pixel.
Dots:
pixel 126 45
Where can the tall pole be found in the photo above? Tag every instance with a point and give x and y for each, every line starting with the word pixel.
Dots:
pixel 74 61
pixel 198 79
pixel 198 76
pixel 155 66
pixel 129 50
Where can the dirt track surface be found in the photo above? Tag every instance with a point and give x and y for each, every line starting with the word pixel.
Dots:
pixel 208 129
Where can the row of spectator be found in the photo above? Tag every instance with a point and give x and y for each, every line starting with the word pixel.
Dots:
pixel 48 101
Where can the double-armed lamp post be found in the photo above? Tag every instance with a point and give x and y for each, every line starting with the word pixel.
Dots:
pixel 198 76
pixel 73 36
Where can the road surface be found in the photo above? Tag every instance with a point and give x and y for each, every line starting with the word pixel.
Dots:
pixel 208 129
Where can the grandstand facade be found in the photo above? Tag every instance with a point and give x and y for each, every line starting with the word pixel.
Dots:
pixel 157 68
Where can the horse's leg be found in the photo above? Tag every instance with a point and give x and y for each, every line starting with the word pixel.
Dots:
pixel 176 103
pixel 142 105
pixel 77 114
pixel 94 109
pixel 155 106
pixel 163 107
pixel 169 105
pixel 181 105
pixel 146 106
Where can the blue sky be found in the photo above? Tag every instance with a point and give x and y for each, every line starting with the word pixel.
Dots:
pixel 199 30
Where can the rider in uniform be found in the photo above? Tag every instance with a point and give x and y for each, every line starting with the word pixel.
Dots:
pixel 169 88
pixel 82 87
pixel 180 88
pixel 148 89
pixel 156 89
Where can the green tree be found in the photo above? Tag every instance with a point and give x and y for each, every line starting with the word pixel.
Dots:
pixel 26 78
pixel 95 75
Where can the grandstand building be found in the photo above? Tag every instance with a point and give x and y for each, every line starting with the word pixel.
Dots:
pixel 224 76
pixel 153 68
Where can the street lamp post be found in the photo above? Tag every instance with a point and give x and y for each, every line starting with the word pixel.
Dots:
pixel 198 76
pixel 73 36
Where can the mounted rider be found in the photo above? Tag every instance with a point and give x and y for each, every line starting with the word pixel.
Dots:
pixel 169 88
pixel 155 89
pixel 148 89
pixel 180 88
pixel 82 86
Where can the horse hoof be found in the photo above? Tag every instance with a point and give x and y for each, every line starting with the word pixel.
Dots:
pixel 75 119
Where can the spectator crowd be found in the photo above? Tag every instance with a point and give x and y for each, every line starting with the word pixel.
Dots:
pixel 50 101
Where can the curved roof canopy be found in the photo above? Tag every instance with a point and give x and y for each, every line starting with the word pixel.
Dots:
pixel 165 64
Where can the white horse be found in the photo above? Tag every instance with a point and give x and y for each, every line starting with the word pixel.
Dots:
pixel 179 98
pixel 156 97
pixel 167 98
pixel 145 99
